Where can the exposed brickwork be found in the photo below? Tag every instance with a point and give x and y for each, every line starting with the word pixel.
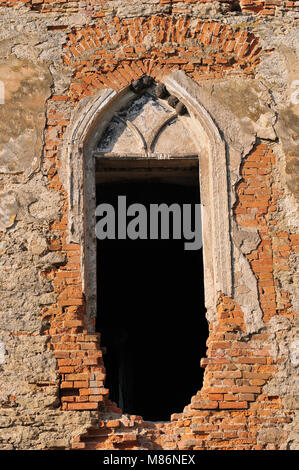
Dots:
pixel 231 407
pixel 255 209
pixel 268 7
pixel 79 358
pixel 115 54
pixel 234 405
pixel 226 414
pixel 78 354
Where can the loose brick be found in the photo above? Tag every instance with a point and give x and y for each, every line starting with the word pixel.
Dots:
pixel 115 423
pixel 204 405
pixel 82 406
pixel 226 405
pixel 82 376
pixel 64 385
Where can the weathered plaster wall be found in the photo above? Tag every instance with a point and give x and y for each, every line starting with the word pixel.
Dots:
pixel 243 58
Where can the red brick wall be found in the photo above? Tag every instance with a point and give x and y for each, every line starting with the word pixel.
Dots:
pixel 226 414
pixel 95 66
pixel 231 407
pixel 78 354
pixel 257 203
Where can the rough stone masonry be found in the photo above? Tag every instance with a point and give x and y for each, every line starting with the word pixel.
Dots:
pixel 67 64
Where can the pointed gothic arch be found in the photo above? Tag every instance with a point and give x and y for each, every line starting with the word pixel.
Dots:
pixel 87 126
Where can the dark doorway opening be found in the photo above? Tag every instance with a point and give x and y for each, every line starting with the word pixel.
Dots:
pixel 151 312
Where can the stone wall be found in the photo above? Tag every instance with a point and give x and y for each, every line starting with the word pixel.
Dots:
pixel 239 60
